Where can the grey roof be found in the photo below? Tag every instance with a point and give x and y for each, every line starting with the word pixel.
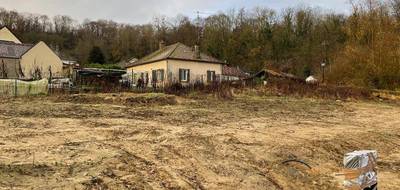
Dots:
pixel 176 51
pixel 12 50
pixel 132 60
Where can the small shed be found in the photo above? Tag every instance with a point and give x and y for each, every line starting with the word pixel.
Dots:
pixel 69 66
pixel 271 74
pixel 233 73
pixel 98 78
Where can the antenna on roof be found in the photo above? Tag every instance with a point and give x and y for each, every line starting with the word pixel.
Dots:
pixel 199 26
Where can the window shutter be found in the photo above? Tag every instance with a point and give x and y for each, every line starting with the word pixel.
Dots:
pixel 154 75
pixel 180 74
pixel 208 76
pixel 162 75
pixel 214 76
pixel 188 75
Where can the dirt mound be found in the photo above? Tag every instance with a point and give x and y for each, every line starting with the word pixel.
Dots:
pixel 153 99
pixel 80 98
pixel 128 99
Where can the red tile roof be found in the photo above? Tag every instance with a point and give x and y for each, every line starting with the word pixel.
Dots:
pixel 233 71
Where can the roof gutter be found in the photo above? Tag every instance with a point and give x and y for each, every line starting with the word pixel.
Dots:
pixel 5 57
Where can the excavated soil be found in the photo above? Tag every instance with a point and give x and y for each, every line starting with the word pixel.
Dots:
pixel 155 141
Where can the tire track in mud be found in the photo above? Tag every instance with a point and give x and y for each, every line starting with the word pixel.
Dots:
pixel 208 147
pixel 133 165
pixel 144 167
pixel 189 174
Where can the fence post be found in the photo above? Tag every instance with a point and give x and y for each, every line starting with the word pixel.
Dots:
pixel 15 88
pixel 50 82
pixel 131 83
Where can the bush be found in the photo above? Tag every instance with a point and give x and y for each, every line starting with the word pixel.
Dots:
pixel 221 90
pixel 284 87
pixel 104 66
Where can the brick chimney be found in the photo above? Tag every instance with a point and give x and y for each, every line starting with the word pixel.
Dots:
pixel 197 52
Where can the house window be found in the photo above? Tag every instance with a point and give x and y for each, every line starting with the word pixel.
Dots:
pixel 158 75
pixel 184 75
pixel 210 76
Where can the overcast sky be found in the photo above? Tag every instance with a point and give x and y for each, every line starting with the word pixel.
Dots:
pixel 143 11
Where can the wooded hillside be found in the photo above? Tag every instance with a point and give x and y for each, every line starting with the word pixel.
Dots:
pixel 360 49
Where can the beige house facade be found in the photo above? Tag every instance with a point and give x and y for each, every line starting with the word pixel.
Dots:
pixel 9 68
pixel 41 58
pixel 27 61
pixel 7 35
pixel 176 63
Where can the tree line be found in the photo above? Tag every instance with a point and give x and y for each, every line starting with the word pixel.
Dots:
pixel 360 48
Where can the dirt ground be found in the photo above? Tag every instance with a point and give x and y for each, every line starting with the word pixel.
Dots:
pixel 155 141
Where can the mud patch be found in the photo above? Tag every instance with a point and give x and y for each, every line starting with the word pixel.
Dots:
pixel 26 170
pixel 127 99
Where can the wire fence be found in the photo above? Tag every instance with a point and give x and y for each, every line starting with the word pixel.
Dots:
pixel 60 86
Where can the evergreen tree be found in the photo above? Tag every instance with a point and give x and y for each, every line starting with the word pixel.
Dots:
pixel 96 56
